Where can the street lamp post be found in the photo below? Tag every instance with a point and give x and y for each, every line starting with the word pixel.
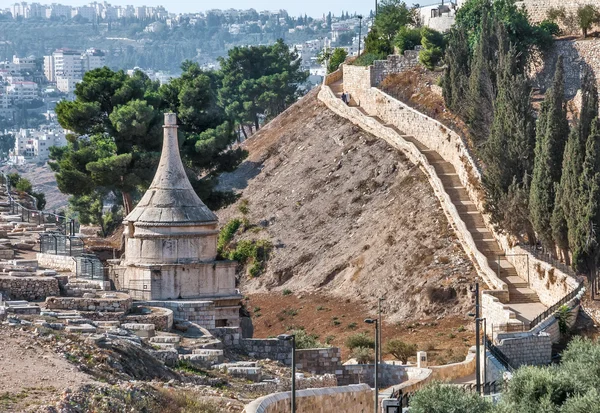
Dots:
pixel 359 31
pixel 374 321
pixel 477 339
pixel 292 338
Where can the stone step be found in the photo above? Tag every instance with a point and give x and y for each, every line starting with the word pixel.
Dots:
pixel 165 339
pixel 80 328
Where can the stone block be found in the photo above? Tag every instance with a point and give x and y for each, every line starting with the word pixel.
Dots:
pixel 140 330
pixel 80 328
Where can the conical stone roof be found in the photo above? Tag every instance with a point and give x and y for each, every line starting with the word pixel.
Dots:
pixel 170 198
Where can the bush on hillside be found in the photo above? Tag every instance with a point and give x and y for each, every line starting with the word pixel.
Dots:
pixel 359 340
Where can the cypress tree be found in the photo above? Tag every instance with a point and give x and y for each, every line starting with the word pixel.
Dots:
pixel 508 152
pixel 565 216
pixel 480 99
pixel 456 76
pixel 585 248
pixel 551 136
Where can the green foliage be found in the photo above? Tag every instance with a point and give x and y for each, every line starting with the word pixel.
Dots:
pixel 401 350
pixel 305 340
pixel 24 185
pixel 259 81
pixel 430 57
pixel 551 136
pixel 367 59
pixel 360 340
pixel 287 291
pixel 587 16
pixel 227 233
pixel 40 199
pixel 7 142
pixel 563 316
pixel 377 44
pixel 443 398
pixel 407 38
pixel 455 83
pixel 337 58
pixel 363 355
pixel 391 15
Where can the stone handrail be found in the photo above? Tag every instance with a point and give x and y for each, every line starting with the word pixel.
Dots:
pixel 389 135
pixel 354 398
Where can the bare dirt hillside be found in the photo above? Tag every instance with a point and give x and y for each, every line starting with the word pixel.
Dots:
pixel 43 180
pixel 348 216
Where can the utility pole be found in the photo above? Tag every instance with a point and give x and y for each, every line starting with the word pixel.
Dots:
pixel 359 31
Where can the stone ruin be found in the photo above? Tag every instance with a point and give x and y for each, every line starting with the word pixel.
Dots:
pixel 170 240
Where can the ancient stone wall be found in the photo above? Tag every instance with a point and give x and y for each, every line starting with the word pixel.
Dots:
pixel 394 64
pixel 348 399
pixel 162 318
pixel 199 312
pixel 576 54
pixel 268 348
pixel 230 336
pixel 28 288
pixel 319 361
pixel 538 9
pixel 56 262
pixel 120 304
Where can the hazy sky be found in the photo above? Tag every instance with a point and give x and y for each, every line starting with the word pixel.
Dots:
pixel 313 8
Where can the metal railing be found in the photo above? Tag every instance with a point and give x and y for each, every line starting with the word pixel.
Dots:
pixel 554 308
pixel 60 244
pixel 89 267
pixel 30 215
pixel 499 355
pixel 545 255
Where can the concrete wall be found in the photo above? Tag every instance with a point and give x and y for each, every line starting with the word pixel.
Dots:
pixel 56 262
pixel 455 370
pixel 348 399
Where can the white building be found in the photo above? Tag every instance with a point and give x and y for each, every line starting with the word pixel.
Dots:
pixel 24 63
pixel 22 91
pixel 6 109
pixel 87 12
pixel 439 17
pixel 65 68
pixel 58 11
pixel 66 85
pixel 49 68
pixel 34 145
pixel 92 59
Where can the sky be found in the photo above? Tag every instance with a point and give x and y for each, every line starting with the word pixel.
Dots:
pixel 314 8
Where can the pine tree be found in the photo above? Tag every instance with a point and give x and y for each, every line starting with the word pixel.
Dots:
pixel 552 131
pixel 508 152
pixel 585 248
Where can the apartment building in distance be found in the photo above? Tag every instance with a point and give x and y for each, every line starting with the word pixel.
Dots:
pixel 33 145
pixel 66 67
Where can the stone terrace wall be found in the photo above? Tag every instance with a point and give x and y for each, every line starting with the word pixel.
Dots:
pixel 576 55
pixel 538 9
pixel 29 288
pixel 121 304
pixel 319 360
pixel 57 262
pixel 394 64
pixel 348 399
pixel 268 348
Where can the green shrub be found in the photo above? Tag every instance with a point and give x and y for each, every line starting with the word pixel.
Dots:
pixel 430 57
pixel 352 326
pixel 287 291
pixel 305 340
pixel 227 233
pixel 367 59
pixel 441 398
pixel 407 38
pixel 24 185
pixel 243 206
pixel 401 350
pixel 363 355
pixel 360 340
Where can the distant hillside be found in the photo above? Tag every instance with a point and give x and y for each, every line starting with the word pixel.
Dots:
pixel 348 215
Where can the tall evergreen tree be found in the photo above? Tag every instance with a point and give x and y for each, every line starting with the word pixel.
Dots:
pixel 480 99
pixel 585 248
pixel 551 136
pixel 508 152
pixel 456 76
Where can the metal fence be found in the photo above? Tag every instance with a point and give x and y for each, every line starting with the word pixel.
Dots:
pixel 60 244
pixel 89 267
pixel 33 215
pixel 499 355
pixel 554 308
pixel 545 255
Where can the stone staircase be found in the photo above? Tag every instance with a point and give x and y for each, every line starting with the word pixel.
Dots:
pixel 523 301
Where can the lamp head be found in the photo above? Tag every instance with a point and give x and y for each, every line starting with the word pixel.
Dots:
pixel 370 321
pixel 285 337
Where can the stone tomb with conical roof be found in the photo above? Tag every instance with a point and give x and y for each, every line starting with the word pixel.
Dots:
pixel 171 248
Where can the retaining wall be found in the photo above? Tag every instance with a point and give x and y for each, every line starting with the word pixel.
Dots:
pixel 394 64
pixel 356 398
pixel 319 361
pixel 121 304
pixel 56 262
pixel 29 288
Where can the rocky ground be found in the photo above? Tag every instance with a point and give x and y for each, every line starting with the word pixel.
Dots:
pixel 349 217
pixel 43 180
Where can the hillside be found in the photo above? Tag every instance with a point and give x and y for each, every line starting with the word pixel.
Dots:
pixel 349 217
